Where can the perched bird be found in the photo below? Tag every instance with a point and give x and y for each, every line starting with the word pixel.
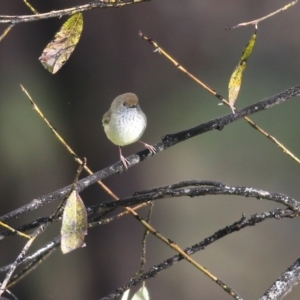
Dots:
pixel 125 123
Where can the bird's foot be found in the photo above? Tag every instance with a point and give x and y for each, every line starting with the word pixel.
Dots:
pixel 124 161
pixel 149 147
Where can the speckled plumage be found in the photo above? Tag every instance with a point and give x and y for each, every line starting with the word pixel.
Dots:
pixel 124 123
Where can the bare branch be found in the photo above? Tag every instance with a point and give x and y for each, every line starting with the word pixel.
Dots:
pixel 167 142
pixel 255 22
pixel 67 11
pixel 284 284
pixel 166 192
pixel 155 270
pixel 181 189
pixel 178 190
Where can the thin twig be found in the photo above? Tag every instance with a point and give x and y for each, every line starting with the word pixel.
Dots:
pixel 218 96
pixel 6 31
pixel 60 138
pixel 30 7
pixel 255 22
pixel 15 231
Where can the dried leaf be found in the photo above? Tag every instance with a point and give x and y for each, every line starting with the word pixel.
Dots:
pixel 74 224
pixel 141 294
pixel 235 81
pixel 58 51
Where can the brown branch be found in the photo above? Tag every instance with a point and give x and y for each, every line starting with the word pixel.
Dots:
pixel 255 22
pixel 217 95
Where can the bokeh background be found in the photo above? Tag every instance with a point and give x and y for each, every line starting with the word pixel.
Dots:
pixel 111 59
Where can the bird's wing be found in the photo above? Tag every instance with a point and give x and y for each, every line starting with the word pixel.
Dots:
pixel 106 118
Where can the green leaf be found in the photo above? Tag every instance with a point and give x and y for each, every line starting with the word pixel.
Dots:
pixel 74 224
pixel 248 50
pixel 235 81
pixel 141 294
pixel 58 51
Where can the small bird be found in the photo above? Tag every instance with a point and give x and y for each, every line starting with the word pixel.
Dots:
pixel 124 123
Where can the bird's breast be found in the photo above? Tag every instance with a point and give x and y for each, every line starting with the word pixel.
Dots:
pixel 127 127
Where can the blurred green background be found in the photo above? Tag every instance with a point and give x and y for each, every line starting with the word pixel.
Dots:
pixel 111 59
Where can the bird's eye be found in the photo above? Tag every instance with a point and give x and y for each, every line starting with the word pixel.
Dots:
pixel 124 104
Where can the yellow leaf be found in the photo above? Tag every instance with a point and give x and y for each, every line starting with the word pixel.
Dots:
pixel 74 224
pixel 235 81
pixel 58 51
pixel 235 84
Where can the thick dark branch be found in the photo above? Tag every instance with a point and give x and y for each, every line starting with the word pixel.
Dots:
pixel 167 192
pixel 181 189
pixel 181 184
pixel 219 123
pixel 42 253
pixel 155 270
pixel 67 11
pixel 284 284
pixel 167 142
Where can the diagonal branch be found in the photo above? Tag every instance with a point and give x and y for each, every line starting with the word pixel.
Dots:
pixel 242 223
pixel 217 95
pixel 167 142
pixel 284 284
